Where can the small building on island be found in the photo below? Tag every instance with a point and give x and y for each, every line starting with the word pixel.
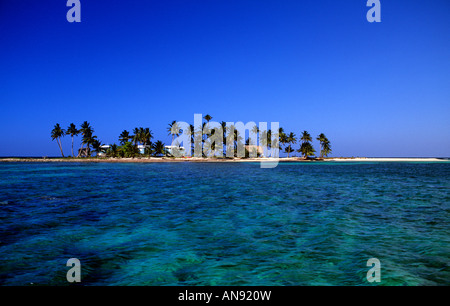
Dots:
pixel 256 150
pixel 103 150
pixel 142 148
pixel 175 151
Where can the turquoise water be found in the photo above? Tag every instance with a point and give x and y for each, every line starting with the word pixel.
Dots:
pixel 225 223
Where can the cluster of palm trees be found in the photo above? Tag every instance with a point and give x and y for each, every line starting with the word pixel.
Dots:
pixel 325 146
pixel 285 140
pixel 57 133
pixel 140 141
pixel 204 139
pixel 88 138
pixel 90 144
pixel 306 148
pixel 130 144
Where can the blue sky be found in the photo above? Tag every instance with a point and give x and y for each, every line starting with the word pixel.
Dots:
pixel 375 89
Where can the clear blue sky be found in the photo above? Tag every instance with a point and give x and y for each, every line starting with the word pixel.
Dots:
pixel 375 89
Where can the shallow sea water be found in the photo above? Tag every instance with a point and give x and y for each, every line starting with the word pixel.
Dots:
pixel 225 223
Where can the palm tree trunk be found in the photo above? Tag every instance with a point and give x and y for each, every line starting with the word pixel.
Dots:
pixel 60 147
pixel 73 155
pixel 80 150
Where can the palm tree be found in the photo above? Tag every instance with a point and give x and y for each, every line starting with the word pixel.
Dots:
pixel 269 138
pixel 89 140
pixel 128 150
pixel 112 151
pixel 290 139
pixel 205 130
pixel 136 138
pixel 231 135
pixel 97 146
pixel 288 150
pixel 322 137
pixel 255 129
pixel 207 118
pixel 205 127
pixel 57 133
pixel 325 147
pixel 148 151
pixel 158 148
pixel 264 139
pixel 238 142
pixel 173 129
pixel 306 148
pixel 283 138
pixel 223 124
pixel 197 137
pixel 190 132
pixel 86 131
pixel 210 147
pixel 141 135
pixel 124 137
pixel 147 136
pixel 306 137
pixel 72 131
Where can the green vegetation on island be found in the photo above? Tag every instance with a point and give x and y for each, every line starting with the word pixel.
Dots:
pixel 140 141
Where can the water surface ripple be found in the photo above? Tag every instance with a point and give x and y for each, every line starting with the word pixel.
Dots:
pixel 224 223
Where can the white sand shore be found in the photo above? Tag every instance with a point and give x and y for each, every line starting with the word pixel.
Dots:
pixel 219 160
pixel 386 159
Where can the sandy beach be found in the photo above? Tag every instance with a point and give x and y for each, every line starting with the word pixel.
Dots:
pixel 386 159
pixel 218 160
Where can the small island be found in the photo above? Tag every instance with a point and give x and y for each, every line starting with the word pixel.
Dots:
pixel 232 145
pixel 139 147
